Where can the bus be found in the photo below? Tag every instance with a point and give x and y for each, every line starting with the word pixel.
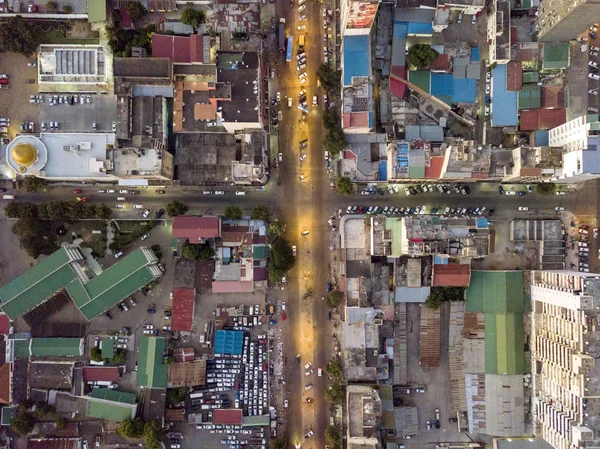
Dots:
pixel 288 53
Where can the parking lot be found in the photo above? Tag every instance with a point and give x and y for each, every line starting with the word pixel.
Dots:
pixel 14 101
pixel 79 116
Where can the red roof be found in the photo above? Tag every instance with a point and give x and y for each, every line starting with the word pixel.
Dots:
pixel 397 87
pixel 179 49
pixel 126 22
pixel 553 96
pixel 441 63
pixel 514 76
pixel 5 383
pixel 434 171
pixel 399 71
pixel 534 119
pixel 196 228
pixel 348 154
pixel 184 354
pixel 233 287
pixel 230 416
pixel 451 275
pixel 101 373
pixel 183 309
pixel 4 324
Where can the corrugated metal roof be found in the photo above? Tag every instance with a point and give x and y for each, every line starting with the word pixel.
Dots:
pixel 514 77
pixel 504 108
pixel 530 97
pixel 152 371
pixel 56 347
pixel 100 373
pixel 183 309
pixel 196 228
pixel 231 416
pixel 464 90
pixel 406 294
pixel 442 84
pixel 451 275
pixel 111 405
pixel 356 57
pixel 421 79
pixel 556 55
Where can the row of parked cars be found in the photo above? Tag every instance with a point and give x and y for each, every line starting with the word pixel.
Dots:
pixel 419 210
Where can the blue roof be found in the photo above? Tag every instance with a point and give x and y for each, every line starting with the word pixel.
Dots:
pixel 542 138
pixel 383 170
pixel 400 30
pixel 420 28
pixel 441 84
pixel 482 223
pixel 356 57
pixel 440 260
pixel 504 103
pixel 475 54
pixel 465 90
pixel 228 342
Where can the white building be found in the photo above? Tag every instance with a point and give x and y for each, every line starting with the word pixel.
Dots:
pixel 498 32
pixel 72 64
pixel 564 348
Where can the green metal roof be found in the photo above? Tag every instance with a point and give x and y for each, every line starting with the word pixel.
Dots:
pixel 96 11
pixel 495 292
pixel 112 405
pixel 38 283
pixel 65 347
pixel 556 55
pixel 7 415
pixel 396 227
pixel 421 79
pixel 258 420
pixel 21 349
pixel 259 251
pixel 108 348
pixel 531 77
pixel 530 97
pixel 152 372
pixel 416 172
pixel 504 343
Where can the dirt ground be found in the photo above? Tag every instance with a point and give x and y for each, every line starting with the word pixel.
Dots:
pixel 14 102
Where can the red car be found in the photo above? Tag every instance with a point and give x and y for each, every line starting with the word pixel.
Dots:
pixel 77 191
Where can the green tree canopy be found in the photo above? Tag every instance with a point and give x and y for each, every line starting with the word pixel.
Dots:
pixel 206 252
pixel 34 184
pixel 103 212
pixel 176 395
pixel 131 428
pixel 67 9
pixel 95 354
pixel 120 356
pixel 176 208
pixel 191 251
pixel 343 185
pixel 22 423
pixel 18 36
pixel 135 10
pixel 193 17
pixel 154 434
pixel 330 78
pixel 51 6
pixel 334 369
pixel 334 393
pixel 421 55
pixel 277 228
pixel 334 299
pixel 545 188
pixel 260 213
pixel 233 213
pixel 333 436
pixel 335 141
pixel 281 259
pixel 277 443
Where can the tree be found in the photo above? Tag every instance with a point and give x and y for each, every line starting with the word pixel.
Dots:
pixel 191 251
pixel 277 228
pixel 193 17
pixel 421 55
pixel 335 141
pixel 334 369
pixel 18 36
pixel 343 185
pixel 44 410
pixel 131 428
pixel 67 9
pixel 34 184
pixel 95 355
pixel 18 209
pixel 334 394
pixel 35 236
pixel 154 434
pixel 334 299
pixel 281 259
pixel 59 422
pixel 434 300
pixel 330 78
pixel 206 252
pixel 233 213
pixel 260 213
pixel 176 208
pixel 333 436
pixel 545 188
pixel 51 6
pixel 119 357
pixel 176 395
pixel 22 423
pixel 135 10
pixel 103 212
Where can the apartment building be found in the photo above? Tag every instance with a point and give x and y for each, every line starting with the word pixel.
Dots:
pixel 564 20
pixel 564 347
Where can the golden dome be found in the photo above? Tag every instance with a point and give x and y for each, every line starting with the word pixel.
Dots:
pixel 24 154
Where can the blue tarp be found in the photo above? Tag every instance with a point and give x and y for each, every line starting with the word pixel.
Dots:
pixel 420 28
pixel 356 57
pixel 440 260
pixel 504 103
pixel 465 90
pixel 441 84
pixel 475 54
pixel 383 170
pixel 228 342
pixel 542 138
pixel 482 223
pixel 400 30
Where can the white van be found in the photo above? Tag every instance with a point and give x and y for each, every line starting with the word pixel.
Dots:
pixel 138 206
pixel 119 254
pixel 8 197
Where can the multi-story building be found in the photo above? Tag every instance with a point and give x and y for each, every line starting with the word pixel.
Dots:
pixel 498 32
pixel 564 20
pixel 564 349
pixel 579 140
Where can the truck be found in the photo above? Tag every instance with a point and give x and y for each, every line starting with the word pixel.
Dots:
pixel 281 36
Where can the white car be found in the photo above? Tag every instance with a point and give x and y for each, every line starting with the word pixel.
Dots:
pixel 302 75
pixel 219 192
pixel 240 193
pixel 121 198
pixel 320 372
pixel 145 236
pixel 523 208
pixel 147 213
pixel 487 111
pixel 283 304
pixel 278 97
pixel 207 192
pixel 302 17
pixel 308 387
pixel 301 27
pixel 315 100
pixel 285 403
pixel 406 191
pixel 301 8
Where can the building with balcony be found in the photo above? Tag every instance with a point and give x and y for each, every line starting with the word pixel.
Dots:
pixel 498 32
pixel 564 349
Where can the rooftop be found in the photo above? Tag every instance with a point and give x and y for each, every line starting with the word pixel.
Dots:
pixel 182 49
pixel 112 405
pixel 152 372
pixel 188 374
pixel 139 68
pixel 504 110
pixel 356 59
pixel 241 71
pixel 50 376
pixel 195 229
pixel 183 309
pixel 72 64
pixel 451 275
